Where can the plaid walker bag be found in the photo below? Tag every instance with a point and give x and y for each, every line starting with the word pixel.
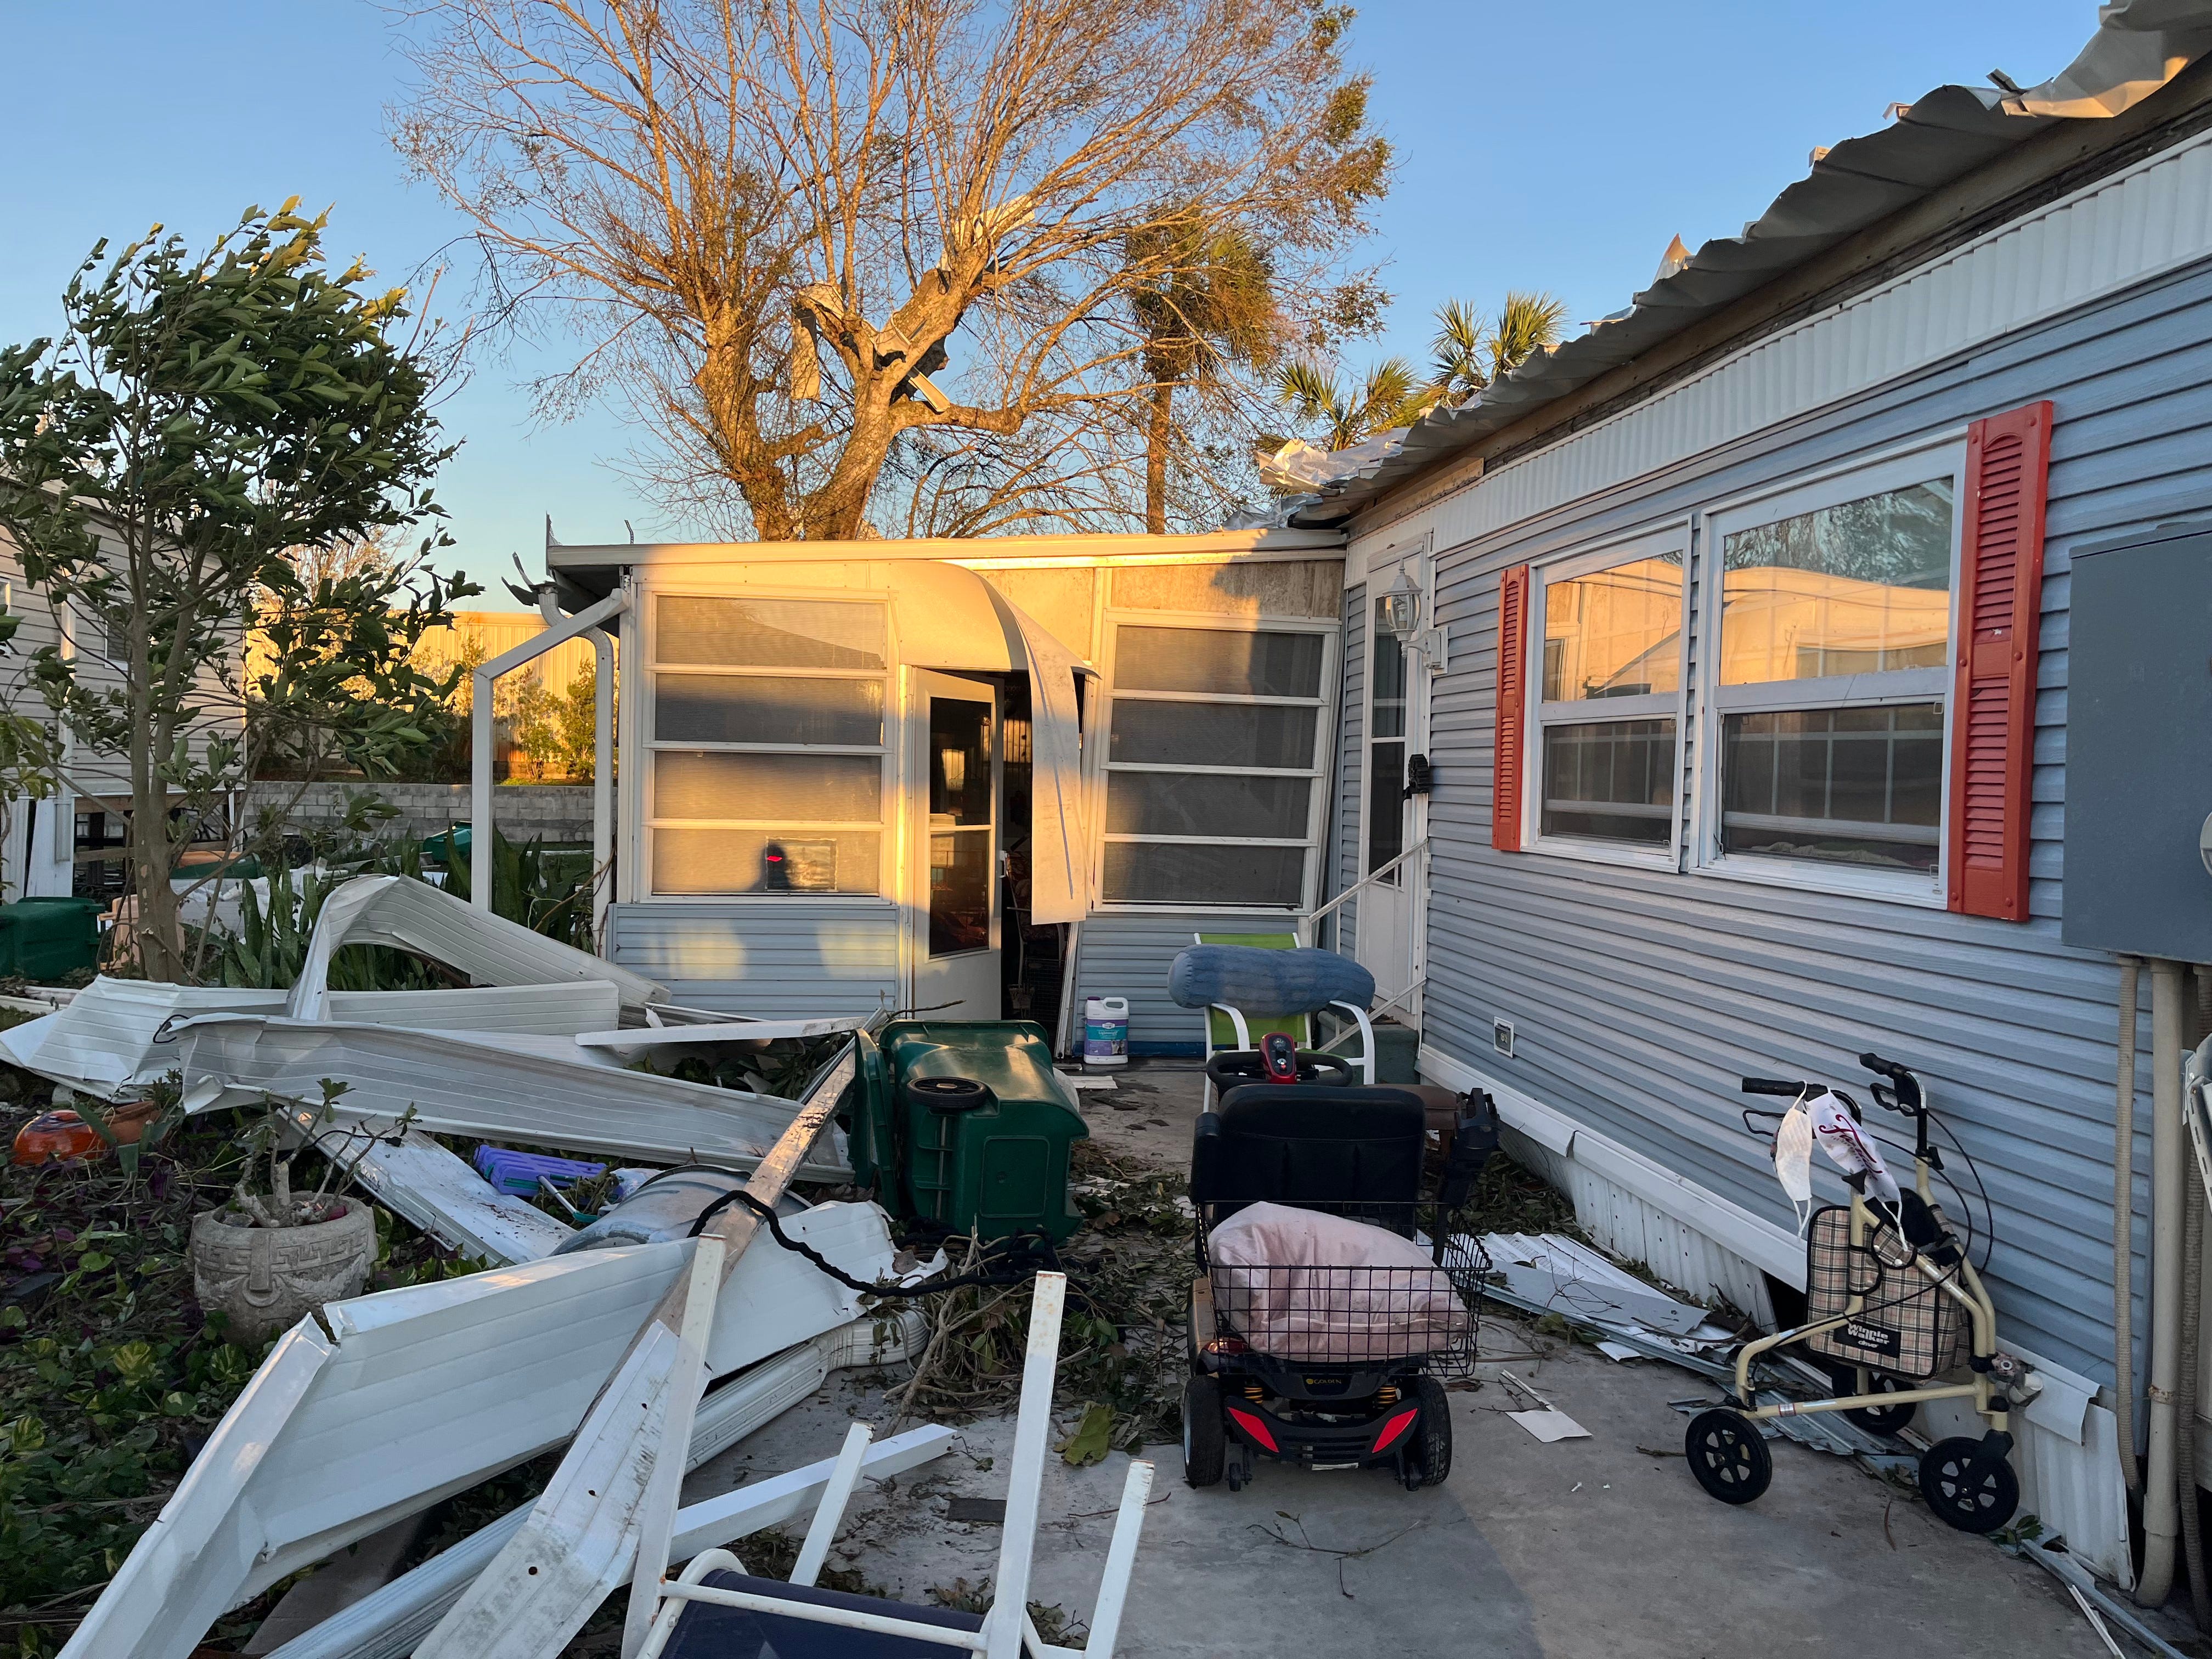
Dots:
pixel 1908 1326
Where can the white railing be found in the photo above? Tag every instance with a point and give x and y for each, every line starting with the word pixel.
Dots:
pixel 1311 922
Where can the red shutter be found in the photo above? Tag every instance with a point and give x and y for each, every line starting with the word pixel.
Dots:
pixel 1512 704
pixel 1993 695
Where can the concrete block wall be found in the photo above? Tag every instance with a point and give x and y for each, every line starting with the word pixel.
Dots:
pixel 523 811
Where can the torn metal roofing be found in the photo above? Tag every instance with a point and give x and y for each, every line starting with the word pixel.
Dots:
pixel 1939 137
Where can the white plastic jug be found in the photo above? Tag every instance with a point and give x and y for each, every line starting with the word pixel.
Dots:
pixel 1106 1031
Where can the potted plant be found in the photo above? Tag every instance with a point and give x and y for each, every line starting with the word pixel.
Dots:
pixel 264 1260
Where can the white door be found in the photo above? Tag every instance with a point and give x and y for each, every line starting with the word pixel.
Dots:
pixel 1386 918
pixel 952 840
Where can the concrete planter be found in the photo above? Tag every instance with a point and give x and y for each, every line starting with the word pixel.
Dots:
pixel 266 1279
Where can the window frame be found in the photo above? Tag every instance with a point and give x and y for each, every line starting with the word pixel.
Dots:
pixel 888 830
pixel 1318 775
pixel 1940 456
pixel 1652 542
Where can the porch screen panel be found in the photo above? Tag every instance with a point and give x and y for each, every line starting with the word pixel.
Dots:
pixel 1212 763
pixel 768 746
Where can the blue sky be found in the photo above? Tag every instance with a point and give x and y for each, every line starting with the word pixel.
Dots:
pixel 1552 146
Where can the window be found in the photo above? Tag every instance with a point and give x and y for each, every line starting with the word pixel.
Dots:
pixel 1212 765
pixel 1386 746
pixel 1609 683
pixel 1828 686
pixel 767 746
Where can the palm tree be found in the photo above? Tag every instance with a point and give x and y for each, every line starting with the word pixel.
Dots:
pixel 1211 308
pixel 1390 397
pixel 1471 350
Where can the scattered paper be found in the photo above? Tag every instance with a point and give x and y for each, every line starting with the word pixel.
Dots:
pixel 1548 1426
pixel 1620 1352
pixel 1078 1080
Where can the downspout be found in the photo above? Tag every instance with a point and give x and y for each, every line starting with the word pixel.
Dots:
pixel 480 736
pixel 2169 1158
pixel 2192 1308
pixel 2124 1229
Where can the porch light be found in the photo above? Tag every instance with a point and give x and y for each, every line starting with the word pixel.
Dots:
pixel 1399 612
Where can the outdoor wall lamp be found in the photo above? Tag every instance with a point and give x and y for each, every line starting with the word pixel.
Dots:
pixel 1398 613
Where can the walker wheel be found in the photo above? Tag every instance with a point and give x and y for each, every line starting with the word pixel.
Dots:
pixel 1728 1456
pixel 1875 1420
pixel 1969 1492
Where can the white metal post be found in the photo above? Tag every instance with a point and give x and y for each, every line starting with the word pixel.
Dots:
pixel 480 733
pixel 1002 1628
pixel 1120 1561
pixel 822 1532
pixel 663 1492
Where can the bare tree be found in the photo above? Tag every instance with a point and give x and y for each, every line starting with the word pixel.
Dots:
pixel 766 222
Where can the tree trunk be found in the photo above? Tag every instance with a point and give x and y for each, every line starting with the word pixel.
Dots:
pixel 1158 431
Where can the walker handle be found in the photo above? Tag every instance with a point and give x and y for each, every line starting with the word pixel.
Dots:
pixel 1769 1085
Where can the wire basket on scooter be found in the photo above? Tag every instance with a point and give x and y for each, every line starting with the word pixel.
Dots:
pixel 1303 1307
pixel 1908 1326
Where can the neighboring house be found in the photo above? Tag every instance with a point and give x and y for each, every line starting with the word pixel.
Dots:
pixel 72 842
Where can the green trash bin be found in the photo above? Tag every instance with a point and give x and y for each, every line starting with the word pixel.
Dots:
pixel 965 1123
pixel 44 939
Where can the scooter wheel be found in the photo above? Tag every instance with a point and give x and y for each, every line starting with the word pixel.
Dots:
pixel 1969 1491
pixel 1728 1457
pixel 1204 1441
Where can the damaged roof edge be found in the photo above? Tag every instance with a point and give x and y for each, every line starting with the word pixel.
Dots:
pixel 2103 100
pixel 592 570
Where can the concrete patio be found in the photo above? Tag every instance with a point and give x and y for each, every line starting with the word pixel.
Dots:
pixel 1602 1545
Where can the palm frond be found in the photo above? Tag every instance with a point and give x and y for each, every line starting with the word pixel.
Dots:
pixel 1527 324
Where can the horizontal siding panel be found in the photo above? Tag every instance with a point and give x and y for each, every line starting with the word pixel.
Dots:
pixel 778 962
pixel 1129 956
pixel 1640 996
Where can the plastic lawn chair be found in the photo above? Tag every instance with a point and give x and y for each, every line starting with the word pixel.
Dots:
pixel 715 1610
pixel 1232 1028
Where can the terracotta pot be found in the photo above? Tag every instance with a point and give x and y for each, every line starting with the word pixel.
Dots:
pixel 266 1279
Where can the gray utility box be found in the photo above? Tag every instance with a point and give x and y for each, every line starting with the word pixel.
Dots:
pixel 2139 745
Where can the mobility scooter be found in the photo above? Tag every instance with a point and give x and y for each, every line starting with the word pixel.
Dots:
pixel 1332 1298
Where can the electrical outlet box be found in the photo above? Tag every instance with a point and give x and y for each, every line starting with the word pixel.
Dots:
pixel 1501 1036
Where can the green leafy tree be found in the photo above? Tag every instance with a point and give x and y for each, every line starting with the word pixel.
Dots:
pixel 1207 310
pixel 201 423
pixel 1471 350
pixel 1391 396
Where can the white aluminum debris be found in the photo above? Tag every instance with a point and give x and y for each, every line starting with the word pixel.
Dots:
pixel 418 1179
pixel 389 1622
pixel 413 915
pixel 637 1039
pixel 582 1537
pixel 1562 1276
pixel 117 1034
pixel 551 1010
pixel 543 1090
pixel 419 1393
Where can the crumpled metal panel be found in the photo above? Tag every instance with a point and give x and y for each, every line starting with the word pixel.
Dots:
pixel 413 915
pixel 1940 137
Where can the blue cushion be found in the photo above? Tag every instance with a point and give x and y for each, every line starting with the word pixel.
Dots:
pixel 1263 983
